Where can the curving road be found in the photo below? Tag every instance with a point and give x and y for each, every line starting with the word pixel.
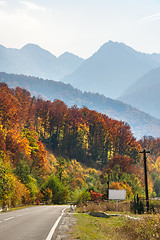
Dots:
pixel 34 223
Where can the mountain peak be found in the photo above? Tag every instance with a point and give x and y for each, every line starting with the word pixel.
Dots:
pixel 111 44
pixel 33 49
pixel 31 46
pixel 67 55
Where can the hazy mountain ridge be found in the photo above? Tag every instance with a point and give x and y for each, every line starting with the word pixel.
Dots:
pixel 35 61
pixel 112 69
pixel 141 123
pixel 145 93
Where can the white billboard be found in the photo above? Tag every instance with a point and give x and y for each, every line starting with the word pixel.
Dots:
pixel 115 194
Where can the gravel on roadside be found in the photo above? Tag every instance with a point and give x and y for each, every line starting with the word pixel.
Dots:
pixel 63 231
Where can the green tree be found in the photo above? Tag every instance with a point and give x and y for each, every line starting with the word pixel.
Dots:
pixel 61 163
pixel 7 186
pixel 59 191
pixel 33 188
pixel 81 196
pixel 23 168
pixel 47 195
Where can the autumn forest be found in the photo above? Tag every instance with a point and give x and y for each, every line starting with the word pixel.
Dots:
pixel 50 153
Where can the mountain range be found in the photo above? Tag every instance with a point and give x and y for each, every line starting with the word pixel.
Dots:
pixel 112 69
pixel 140 122
pixel 109 71
pixel 35 61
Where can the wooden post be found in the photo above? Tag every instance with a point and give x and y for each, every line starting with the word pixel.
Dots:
pixel 146 179
pixel 116 207
pixel 108 187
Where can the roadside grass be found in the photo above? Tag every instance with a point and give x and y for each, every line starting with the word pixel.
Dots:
pixel 147 227
pixel 92 228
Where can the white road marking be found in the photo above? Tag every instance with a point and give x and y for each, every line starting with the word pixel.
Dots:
pixel 22 214
pixel 8 219
pixel 49 237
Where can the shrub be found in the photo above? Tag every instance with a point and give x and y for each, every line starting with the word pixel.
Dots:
pixel 81 196
pixel 95 196
pixel 59 191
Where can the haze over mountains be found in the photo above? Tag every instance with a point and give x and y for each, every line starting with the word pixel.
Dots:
pixel 140 122
pixel 112 69
pixel 35 61
pixel 109 71
pixel 145 93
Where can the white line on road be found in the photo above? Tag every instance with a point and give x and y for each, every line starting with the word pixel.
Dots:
pixel 54 226
pixel 8 219
pixel 21 215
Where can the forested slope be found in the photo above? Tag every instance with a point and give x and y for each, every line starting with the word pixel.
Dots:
pixel 30 126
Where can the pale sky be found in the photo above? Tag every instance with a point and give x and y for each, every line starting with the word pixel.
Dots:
pixel 80 26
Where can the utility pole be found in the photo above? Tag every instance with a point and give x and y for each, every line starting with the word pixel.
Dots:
pixel 146 179
pixel 108 186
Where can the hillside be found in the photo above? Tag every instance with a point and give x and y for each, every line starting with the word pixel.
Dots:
pixel 35 61
pixel 145 93
pixel 77 137
pixel 112 69
pixel 140 122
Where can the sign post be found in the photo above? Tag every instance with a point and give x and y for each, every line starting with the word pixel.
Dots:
pixel 117 195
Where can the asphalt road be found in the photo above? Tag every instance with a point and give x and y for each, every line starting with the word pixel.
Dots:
pixel 36 223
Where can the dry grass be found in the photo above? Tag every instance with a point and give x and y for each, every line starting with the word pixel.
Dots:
pixel 147 228
pixel 123 206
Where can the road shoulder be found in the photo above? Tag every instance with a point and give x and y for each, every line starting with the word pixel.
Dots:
pixel 63 231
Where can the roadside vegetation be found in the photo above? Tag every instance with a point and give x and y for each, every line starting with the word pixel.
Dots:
pixel 125 225
pixel 117 228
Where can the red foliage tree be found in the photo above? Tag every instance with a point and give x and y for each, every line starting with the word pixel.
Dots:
pixel 126 164
pixel 95 196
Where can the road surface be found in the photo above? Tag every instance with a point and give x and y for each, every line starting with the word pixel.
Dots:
pixel 33 223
